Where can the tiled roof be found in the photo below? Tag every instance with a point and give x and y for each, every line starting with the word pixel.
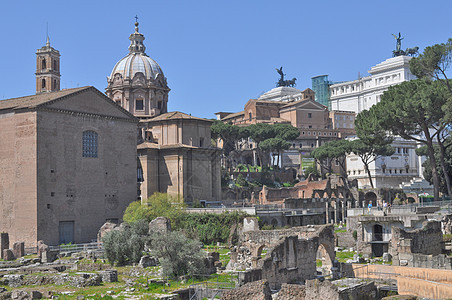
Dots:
pixel 174 115
pixel 35 100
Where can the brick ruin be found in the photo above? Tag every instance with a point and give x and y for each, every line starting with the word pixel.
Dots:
pixel 291 256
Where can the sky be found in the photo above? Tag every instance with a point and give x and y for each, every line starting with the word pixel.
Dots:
pixel 216 55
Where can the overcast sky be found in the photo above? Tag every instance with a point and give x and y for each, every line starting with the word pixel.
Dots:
pixel 216 55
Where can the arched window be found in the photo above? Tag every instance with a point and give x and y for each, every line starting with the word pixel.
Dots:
pixel 55 67
pixel 89 143
pixel 44 65
pixel 43 83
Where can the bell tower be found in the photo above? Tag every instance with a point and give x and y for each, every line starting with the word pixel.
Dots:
pixel 47 69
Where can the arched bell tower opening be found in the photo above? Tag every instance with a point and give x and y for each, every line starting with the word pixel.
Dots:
pixel 47 69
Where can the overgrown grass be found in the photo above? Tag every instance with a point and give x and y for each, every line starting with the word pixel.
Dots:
pixel 343 256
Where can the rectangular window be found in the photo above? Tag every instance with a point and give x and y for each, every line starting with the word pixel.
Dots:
pixel 139 105
pixel 89 143
pixel 310 115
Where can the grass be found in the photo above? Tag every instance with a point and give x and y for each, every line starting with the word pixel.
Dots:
pixel 343 256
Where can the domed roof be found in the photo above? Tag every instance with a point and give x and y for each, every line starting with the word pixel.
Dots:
pixel 134 63
pixel 137 60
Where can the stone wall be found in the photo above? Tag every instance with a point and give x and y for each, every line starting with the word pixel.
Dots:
pixel 291 257
pixel 340 290
pixel 257 290
pixel 427 240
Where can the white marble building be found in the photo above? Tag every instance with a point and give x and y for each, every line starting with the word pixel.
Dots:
pixel 389 171
pixel 361 94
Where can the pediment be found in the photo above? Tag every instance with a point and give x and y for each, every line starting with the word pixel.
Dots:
pixel 89 101
pixel 305 104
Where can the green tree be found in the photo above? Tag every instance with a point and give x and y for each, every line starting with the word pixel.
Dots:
pixel 177 254
pixel 275 145
pixel 158 205
pixel 412 110
pixel 434 63
pixel 370 153
pixel 447 162
pixel 327 153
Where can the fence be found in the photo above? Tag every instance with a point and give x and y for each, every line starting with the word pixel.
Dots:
pixel 69 248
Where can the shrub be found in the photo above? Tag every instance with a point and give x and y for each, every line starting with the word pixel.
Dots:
pixel 355 235
pixel 126 245
pixel 241 181
pixel 177 254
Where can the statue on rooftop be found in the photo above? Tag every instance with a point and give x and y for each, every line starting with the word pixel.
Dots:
pixel 282 82
pixel 398 51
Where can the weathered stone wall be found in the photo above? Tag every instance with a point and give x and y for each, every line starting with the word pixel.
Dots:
pixel 345 239
pixel 257 290
pixel 292 292
pixel 292 254
pixel 427 240
pixel 351 289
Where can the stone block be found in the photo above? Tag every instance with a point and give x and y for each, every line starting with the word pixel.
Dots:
pixel 49 256
pixel 161 224
pixel 403 262
pixel 4 242
pixel 109 275
pixel 19 249
pixel 8 254
pixel 107 227
pixel 42 248
pixel 387 257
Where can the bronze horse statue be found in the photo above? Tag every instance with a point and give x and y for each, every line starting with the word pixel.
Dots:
pixel 411 51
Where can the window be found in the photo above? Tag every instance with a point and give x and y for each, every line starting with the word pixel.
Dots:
pixel 159 105
pixel 89 143
pixel 310 115
pixel 43 83
pixel 201 141
pixel 139 105
pixel 44 65
pixel 55 65
pixel 54 84
pixel 310 126
pixel 250 115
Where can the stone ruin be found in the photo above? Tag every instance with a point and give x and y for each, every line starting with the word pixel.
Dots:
pixel 421 248
pixel 291 256
pixel 17 251
pixel 343 289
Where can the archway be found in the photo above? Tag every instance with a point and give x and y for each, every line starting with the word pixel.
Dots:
pixel 370 197
pixel 324 262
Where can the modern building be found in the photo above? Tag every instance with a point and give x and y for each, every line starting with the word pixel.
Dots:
pixel 321 87
pixel 175 155
pixel 68 160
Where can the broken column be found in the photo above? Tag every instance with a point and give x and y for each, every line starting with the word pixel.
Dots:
pixel 4 243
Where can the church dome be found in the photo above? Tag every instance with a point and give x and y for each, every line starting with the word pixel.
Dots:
pixel 135 63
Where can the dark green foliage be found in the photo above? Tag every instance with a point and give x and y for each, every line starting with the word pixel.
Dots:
pixel 177 254
pixel 311 170
pixel 241 181
pixel 355 235
pixel 126 246
pixel 209 228
pixel 334 150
